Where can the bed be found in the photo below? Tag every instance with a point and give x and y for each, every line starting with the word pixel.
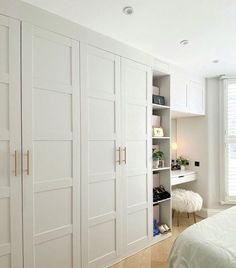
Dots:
pixel 210 243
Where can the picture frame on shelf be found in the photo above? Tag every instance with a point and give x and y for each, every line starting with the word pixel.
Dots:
pixel 158 132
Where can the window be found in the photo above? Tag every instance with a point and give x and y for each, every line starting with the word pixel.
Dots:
pixel 230 139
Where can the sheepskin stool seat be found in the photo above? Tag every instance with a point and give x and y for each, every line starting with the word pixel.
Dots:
pixel 185 201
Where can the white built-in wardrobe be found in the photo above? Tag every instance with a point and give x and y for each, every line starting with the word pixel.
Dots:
pixel 75 151
pixel 76 175
pixel 116 162
pixel 39 148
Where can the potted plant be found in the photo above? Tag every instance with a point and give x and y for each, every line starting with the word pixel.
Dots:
pixel 182 162
pixel 157 156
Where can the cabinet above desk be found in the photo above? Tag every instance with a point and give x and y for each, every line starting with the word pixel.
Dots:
pixel 187 94
pixel 179 176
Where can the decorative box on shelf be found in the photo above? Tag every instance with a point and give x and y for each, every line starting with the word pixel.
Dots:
pixel 157 99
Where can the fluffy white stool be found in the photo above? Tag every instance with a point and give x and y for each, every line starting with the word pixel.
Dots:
pixel 185 201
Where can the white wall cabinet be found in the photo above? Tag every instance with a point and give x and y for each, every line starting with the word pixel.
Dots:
pixel 179 86
pixel 195 98
pixel 187 95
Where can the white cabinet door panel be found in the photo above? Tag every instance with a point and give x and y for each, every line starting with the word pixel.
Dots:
pixel 101 118
pixel 195 98
pixel 57 152
pixel 104 151
pixel 137 190
pixel 47 214
pixel 136 156
pixel 50 101
pixel 187 94
pixel 179 92
pixel 48 122
pixel 47 257
pixel 101 203
pixel 5 261
pixel 136 129
pixel 137 226
pixel 102 241
pixel 136 120
pixel 98 65
pixel 10 145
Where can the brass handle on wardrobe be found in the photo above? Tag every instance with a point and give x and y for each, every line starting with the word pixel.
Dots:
pixel 125 153
pixel 15 157
pixel 27 163
pixel 119 159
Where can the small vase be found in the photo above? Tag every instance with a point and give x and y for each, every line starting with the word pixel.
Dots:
pixel 182 168
pixel 155 164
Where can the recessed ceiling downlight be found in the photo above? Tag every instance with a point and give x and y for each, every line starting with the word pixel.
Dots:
pixel 184 42
pixel 128 10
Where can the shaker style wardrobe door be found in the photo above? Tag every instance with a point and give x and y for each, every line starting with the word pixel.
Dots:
pixel 101 197
pixel 136 127
pixel 51 157
pixel 10 145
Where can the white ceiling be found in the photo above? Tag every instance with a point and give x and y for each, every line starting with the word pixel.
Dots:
pixel 157 27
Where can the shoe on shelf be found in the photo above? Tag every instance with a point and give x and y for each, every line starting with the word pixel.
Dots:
pixel 166 227
pixel 156 230
pixel 162 229
pixel 163 193
pixel 156 195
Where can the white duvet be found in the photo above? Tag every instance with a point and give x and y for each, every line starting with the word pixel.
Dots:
pixel 210 243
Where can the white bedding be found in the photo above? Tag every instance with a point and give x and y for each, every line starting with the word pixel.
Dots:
pixel 210 243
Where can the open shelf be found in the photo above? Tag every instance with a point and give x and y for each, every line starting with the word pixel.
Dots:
pixel 161 138
pixel 159 107
pixel 160 169
pixel 160 237
pixel 161 116
pixel 161 201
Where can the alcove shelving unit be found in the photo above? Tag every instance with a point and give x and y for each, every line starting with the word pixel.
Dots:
pixel 161 175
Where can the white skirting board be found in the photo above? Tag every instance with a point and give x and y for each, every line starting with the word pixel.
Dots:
pixel 208 212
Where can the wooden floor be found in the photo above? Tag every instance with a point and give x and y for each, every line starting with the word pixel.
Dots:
pixel 157 255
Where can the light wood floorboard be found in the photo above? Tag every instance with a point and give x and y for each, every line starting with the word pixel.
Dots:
pixel 157 255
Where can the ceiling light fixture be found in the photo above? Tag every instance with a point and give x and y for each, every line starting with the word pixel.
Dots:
pixel 215 61
pixel 184 42
pixel 128 10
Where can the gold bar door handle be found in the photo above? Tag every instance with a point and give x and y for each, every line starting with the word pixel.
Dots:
pixel 119 159
pixel 27 163
pixel 125 155
pixel 15 158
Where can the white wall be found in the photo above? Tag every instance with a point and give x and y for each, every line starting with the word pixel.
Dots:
pixel 192 144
